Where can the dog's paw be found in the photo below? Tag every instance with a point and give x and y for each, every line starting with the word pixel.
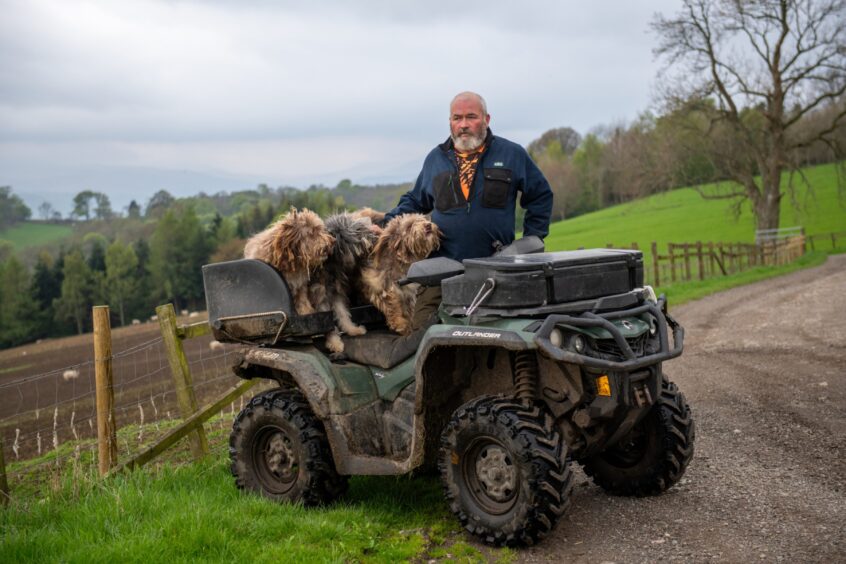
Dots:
pixel 356 330
pixel 400 326
pixel 334 343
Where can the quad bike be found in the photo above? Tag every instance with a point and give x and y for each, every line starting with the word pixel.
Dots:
pixel 535 360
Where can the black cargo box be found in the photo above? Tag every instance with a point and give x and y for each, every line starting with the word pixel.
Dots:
pixel 546 278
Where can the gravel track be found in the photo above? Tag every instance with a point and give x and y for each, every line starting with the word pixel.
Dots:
pixel 763 370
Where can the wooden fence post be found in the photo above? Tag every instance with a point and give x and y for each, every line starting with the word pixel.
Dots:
pixel 105 392
pixel 672 250
pixel 4 484
pixel 711 260
pixel 181 377
pixel 700 260
pixel 687 261
pixel 657 281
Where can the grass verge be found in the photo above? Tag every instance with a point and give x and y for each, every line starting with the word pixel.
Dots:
pixel 179 511
pixel 683 292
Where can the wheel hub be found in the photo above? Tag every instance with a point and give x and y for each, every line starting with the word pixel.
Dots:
pixel 279 456
pixel 496 472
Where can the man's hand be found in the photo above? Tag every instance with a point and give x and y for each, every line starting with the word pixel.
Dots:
pixel 375 229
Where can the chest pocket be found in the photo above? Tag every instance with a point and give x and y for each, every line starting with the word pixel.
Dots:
pixel 497 187
pixel 446 189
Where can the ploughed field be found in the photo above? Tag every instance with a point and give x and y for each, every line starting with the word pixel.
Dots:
pixel 49 386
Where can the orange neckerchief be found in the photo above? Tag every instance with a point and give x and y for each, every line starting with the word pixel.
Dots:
pixel 467 168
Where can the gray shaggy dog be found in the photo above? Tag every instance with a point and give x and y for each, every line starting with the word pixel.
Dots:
pixel 330 287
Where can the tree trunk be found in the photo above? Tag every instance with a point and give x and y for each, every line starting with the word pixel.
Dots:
pixel 768 207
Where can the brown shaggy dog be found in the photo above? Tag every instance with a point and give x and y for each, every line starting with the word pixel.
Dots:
pixel 332 285
pixel 406 239
pixel 296 245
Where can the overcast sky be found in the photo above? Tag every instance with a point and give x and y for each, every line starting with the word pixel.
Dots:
pixel 132 96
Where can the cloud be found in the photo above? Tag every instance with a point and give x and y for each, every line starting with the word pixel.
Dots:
pixel 296 90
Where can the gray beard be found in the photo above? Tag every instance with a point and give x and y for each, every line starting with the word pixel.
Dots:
pixel 467 144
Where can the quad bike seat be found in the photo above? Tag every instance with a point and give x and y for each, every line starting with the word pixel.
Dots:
pixel 384 348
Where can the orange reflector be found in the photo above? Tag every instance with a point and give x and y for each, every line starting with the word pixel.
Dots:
pixel 603 386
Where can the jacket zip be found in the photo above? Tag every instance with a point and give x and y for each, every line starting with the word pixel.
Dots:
pixel 475 176
pixel 455 169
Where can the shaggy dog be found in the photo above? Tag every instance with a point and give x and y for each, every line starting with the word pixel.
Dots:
pixel 406 239
pixel 331 286
pixel 296 245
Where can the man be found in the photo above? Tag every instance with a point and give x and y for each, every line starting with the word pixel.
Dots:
pixel 470 183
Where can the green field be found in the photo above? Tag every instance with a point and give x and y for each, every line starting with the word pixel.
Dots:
pixel 33 234
pixel 683 216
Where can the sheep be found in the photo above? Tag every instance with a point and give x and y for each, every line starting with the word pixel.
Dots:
pixel 70 374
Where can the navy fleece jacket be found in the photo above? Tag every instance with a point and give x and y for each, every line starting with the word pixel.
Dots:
pixel 471 226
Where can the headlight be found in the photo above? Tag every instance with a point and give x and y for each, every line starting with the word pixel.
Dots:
pixel 578 344
pixel 650 294
pixel 556 338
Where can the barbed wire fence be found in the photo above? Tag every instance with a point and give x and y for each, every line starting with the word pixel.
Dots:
pixel 48 420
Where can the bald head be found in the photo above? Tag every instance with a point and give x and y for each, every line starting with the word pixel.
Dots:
pixel 468 121
pixel 470 97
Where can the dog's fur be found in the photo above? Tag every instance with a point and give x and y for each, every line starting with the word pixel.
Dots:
pixel 406 239
pixel 331 286
pixel 296 245
pixel 374 216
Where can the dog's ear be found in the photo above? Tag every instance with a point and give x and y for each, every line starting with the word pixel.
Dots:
pixel 283 244
pixel 401 245
pixel 381 245
pixel 388 238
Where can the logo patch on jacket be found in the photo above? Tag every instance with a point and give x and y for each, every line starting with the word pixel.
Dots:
pixel 499 163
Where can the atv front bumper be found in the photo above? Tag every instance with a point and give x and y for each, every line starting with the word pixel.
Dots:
pixel 632 361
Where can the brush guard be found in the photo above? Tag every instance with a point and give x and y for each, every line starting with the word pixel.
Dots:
pixel 632 361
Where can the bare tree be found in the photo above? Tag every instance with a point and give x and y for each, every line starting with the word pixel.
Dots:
pixel 757 69
pixel 45 210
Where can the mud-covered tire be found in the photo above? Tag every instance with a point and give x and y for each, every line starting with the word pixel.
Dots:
pixel 278 448
pixel 505 470
pixel 654 455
